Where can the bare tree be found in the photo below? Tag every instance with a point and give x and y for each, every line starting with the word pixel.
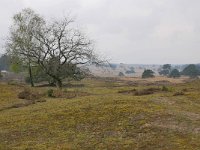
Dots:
pixel 21 42
pixel 57 47
pixel 63 47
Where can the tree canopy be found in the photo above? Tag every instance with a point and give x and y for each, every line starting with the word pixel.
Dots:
pixel 148 74
pixel 174 74
pixel 57 47
pixel 166 69
pixel 21 43
pixel 191 71
pixel 121 74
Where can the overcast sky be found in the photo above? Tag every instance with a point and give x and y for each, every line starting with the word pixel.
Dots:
pixel 128 31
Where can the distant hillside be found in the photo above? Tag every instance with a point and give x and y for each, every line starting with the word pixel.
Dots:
pixel 113 70
pixel 130 70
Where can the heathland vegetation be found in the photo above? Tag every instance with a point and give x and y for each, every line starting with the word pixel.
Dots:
pixel 57 103
pixel 101 113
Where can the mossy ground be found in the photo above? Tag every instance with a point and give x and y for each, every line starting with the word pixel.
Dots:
pixel 105 119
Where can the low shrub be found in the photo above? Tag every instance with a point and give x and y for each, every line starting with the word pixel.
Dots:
pixel 50 93
pixel 143 92
pixel 127 91
pixel 153 89
pixel 29 95
pixel 184 90
pixel 57 93
pixel 165 89
pixel 13 82
pixel 178 93
pixel 148 74
pixel 41 100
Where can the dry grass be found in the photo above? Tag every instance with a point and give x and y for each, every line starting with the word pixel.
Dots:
pixel 29 94
pixel 141 92
pixel 178 93
pixel 104 119
pixel 157 79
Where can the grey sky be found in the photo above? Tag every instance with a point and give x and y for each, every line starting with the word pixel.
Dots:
pixel 128 31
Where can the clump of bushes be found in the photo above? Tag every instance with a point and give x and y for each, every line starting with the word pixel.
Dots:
pixel 191 70
pixel 140 92
pixel 153 89
pixel 148 74
pixel 27 94
pixel 121 74
pixel 50 93
pixel 143 92
pixel 65 94
pixel 174 74
pixel 147 91
pixel 166 68
pixel 15 82
pixel 127 91
pixel 55 93
pixel 178 93
pixel 165 89
pixel 184 90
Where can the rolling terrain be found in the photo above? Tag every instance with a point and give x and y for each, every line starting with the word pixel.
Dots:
pixel 103 113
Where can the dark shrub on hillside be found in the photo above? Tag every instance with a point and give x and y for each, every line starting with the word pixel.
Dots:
pixel 148 74
pixel 121 74
pixel 167 66
pixel 191 71
pixel 174 74
pixel 165 70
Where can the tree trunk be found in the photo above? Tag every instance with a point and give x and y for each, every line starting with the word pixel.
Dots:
pixel 30 74
pixel 56 80
pixel 59 83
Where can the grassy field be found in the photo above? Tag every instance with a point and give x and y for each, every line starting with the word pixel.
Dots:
pixel 105 114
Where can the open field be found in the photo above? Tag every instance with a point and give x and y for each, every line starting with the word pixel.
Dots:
pixel 104 114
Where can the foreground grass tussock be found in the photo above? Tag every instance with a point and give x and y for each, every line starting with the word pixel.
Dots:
pixel 103 119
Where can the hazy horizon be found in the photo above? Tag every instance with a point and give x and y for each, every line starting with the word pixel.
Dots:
pixel 129 32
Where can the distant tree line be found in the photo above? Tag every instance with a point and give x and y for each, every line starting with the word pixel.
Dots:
pixel 190 70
